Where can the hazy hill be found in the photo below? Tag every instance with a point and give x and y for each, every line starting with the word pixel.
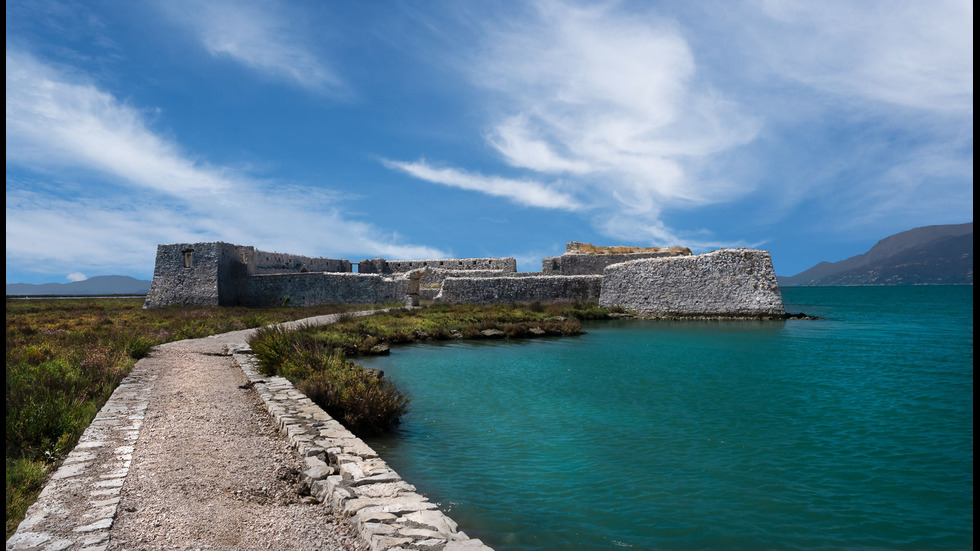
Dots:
pixel 937 255
pixel 99 285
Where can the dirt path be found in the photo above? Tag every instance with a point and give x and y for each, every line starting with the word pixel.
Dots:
pixel 210 471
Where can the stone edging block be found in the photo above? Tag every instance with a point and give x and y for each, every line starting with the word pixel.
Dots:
pixel 346 474
pixel 77 507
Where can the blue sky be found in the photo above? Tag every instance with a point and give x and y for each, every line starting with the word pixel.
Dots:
pixel 409 129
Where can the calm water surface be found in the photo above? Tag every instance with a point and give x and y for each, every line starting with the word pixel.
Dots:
pixel 852 432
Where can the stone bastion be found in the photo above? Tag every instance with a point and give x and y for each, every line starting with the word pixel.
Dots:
pixel 648 282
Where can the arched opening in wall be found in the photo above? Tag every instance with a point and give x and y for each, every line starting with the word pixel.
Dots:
pixel 188 257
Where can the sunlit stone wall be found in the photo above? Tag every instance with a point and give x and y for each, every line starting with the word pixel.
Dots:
pixel 722 283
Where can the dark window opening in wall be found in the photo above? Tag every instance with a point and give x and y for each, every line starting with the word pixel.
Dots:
pixel 554 265
pixel 188 257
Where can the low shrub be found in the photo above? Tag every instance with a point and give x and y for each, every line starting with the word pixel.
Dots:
pixel 362 402
pixel 138 347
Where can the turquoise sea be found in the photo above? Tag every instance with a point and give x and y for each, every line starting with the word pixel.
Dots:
pixel 851 432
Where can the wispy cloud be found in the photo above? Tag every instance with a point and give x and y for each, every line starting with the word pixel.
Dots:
pixel 105 189
pixel 907 53
pixel 607 101
pixel 902 73
pixel 258 35
pixel 524 192
pixel 616 105
pixel 51 120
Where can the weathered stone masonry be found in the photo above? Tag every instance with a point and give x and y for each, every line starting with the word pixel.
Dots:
pixel 487 290
pixel 723 283
pixel 649 282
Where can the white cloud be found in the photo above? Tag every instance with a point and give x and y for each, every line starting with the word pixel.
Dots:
pixel 77 276
pixel 608 102
pixel 51 120
pixel 613 100
pixel 260 36
pixel 895 79
pixel 145 191
pixel 524 192
pixel 909 53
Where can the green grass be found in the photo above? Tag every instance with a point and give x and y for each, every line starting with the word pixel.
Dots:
pixel 356 336
pixel 315 358
pixel 65 358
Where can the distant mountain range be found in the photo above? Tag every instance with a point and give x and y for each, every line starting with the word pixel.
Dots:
pixel 99 285
pixel 930 255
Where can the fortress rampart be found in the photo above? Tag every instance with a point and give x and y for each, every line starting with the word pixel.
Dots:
pixel 722 283
pixel 310 289
pixel 649 282
pixel 382 266
pixel 262 262
pixel 496 290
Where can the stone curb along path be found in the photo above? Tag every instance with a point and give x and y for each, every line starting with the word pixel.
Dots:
pixel 347 474
pixel 96 469
pixel 342 471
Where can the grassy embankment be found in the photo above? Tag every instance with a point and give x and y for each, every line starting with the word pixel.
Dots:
pixel 64 359
pixel 316 360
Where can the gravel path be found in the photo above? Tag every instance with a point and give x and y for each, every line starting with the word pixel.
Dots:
pixel 209 469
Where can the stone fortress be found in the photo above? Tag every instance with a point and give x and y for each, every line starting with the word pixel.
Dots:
pixel 648 282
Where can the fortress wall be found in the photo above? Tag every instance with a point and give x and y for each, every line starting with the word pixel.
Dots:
pixel 399 266
pixel 313 288
pixel 435 277
pixel 195 274
pixel 373 266
pixel 262 262
pixel 591 264
pixel 722 283
pixel 725 283
pixel 483 290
